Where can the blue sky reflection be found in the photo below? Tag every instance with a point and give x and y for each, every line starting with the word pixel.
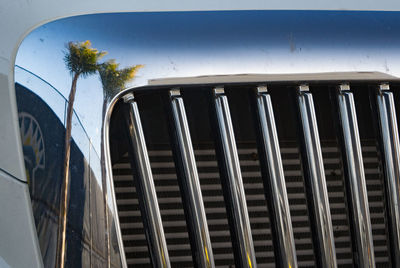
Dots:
pixel 179 44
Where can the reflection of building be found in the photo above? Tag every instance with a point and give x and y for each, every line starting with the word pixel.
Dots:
pixel 33 145
pixel 42 135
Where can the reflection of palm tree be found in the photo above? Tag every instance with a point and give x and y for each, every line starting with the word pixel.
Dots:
pixel 81 60
pixel 113 80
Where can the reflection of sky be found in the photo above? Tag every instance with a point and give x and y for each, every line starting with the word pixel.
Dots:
pixel 174 44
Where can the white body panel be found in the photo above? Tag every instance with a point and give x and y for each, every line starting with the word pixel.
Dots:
pixel 18 247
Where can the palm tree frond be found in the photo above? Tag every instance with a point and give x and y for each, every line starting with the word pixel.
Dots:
pixel 115 79
pixel 81 58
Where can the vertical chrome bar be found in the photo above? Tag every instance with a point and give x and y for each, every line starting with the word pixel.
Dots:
pixel 189 184
pixel 355 179
pixel 232 183
pixel 315 181
pixel 274 181
pixel 145 187
pixel 391 161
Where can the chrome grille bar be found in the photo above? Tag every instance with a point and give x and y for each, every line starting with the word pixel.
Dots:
pixel 150 211
pixel 274 180
pixel 189 183
pixel 232 183
pixel 391 161
pixel 315 181
pixel 355 179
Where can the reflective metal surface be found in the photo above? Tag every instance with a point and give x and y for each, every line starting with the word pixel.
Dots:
pixel 113 217
pixel 42 131
pixel 274 180
pixel 232 183
pixel 314 175
pixel 145 187
pixel 189 184
pixel 391 162
pixel 355 179
pixel 170 44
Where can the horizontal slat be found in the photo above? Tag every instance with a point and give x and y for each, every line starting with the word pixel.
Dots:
pixel 174 221
pixel 243 163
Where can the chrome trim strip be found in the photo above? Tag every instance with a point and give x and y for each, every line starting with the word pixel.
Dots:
pixel 289 77
pixel 391 161
pixel 355 179
pixel 232 183
pixel 274 181
pixel 109 176
pixel 189 183
pixel 150 210
pixel 314 176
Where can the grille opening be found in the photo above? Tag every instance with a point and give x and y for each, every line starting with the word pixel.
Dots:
pixel 152 113
pixel 373 174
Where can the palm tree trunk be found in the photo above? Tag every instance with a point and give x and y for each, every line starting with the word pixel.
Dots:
pixel 104 182
pixel 62 219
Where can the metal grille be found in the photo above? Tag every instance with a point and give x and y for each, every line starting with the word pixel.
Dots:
pixel 174 220
pixel 175 225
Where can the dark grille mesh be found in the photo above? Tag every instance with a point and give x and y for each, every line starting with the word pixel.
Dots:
pixel 174 221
